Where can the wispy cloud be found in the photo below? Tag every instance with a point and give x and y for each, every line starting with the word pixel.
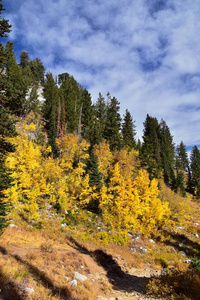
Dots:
pixel 144 52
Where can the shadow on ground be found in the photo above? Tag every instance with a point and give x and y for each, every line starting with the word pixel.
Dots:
pixel 63 293
pixel 119 279
pixel 181 242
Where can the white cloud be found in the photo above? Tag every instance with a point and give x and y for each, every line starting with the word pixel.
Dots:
pixel 146 53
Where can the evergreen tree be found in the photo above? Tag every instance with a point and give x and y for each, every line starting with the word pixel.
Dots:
pixel 95 179
pixel 195 171
pixel 150 153
pixel 86 113
pixel 50 110
pixel 17 85
pixel 113 124
pixel 96 131
pixel 182 157
pixel 7 128
pixel 71 93
pixel 5 27
pixel 128 130
pixel 167 154
pixel 182 166
pixel 24 59
pixel 38 70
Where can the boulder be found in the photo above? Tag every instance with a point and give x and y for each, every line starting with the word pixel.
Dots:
pixel 79 276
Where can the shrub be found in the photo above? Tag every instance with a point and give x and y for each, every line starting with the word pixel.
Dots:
pixel 46 247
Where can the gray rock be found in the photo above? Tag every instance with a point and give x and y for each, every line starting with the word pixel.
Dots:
pixel 29 290
pixel 67 278
pixel 183 253
pixel 79 276
pixel 73 283
pixel 151 241
pixel 13 226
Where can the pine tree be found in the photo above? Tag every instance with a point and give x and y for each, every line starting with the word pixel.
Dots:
pixel 97 124
pixel 128 130
pixel 71 93
pixel 50 110
pixel 167 154
pixel 7 128
pixel 95 179
pixel 24 59
pixel 182 167
pixel 38 70
pixel 195 171
pixel 150 153
pixel 17 86
pixel 113 124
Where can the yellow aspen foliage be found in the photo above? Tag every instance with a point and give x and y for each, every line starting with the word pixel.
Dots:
pixel 105 158
pixel 133 204
pixel 76 188
pixel 71 148
pixel 127 160
pixel 29 182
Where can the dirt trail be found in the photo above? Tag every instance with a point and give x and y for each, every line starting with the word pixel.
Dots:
pixel 101 269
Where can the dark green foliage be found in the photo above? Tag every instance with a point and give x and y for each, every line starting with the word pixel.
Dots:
pixel 17 84
pixel 167 154
pixel 24 59
pixel 195 171
pixel 150 153
pixel 95 179
pixel 38 70
pixel 5 27
pixel 195 264
pixel 50 110
pixel 87 113
pixel 128 130
pixel 113 124
pixel 7 129
pixel 157 153
pixel 92 170
pixel 71 92
pixel 182 168
pixel 180 179
pixel 97 124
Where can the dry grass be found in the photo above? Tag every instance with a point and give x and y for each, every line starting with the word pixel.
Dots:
pixel 42 258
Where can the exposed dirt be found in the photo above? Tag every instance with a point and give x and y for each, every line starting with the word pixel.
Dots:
pixel 101 269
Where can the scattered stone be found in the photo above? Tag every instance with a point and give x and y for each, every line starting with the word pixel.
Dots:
pixel 129 234
pixel 67 278
pixel 135 239
pixel 73 283
pixel 183 253
pixel 13 226
pixel 143 249
pixel 196 224
pixel 196 235
pixel 151 241
pixel 63 225
pixel 134 250
pixel 187 261
pixel 179 227
pixel 29 290
pixel 79 276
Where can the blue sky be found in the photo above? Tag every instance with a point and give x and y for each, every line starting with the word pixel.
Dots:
pixel 146 53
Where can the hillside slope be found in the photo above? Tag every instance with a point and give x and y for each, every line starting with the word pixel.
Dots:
pixel 43 263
